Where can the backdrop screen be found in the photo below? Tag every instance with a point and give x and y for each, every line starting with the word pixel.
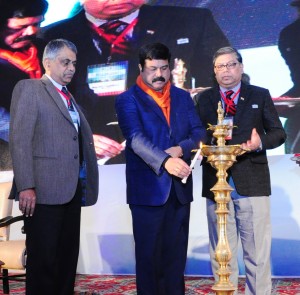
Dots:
pixel 261 30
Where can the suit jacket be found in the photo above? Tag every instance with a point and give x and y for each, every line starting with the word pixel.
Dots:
pixel 289 48
pixel 148 135
pixel 255 109
pixel 190 33
pixel 44 145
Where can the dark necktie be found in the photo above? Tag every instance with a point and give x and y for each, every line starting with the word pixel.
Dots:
pixel 68 98
pixel 230 107
pixel 110 31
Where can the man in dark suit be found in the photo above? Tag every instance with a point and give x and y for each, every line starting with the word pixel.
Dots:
pixel 161 128
pixel 191 34
pixel 289 47
pixel 251 109
pixel 55 170
pixel 19 59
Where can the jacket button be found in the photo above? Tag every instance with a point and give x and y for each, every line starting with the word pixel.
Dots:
pixel 76 156
pixel 75 137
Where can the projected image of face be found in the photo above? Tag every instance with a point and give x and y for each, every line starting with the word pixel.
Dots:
pixel 19 32
pixel 111 9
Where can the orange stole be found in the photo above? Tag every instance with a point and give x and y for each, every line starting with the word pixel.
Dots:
pixel 26 61
pixel 161 98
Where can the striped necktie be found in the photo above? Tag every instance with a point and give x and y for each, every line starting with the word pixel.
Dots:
pixel 230 107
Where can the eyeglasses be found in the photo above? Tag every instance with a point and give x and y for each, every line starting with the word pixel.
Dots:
pixel 228 66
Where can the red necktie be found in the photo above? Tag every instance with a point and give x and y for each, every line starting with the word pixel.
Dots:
pixel 110 31
pixel 114 28
pixel 230 107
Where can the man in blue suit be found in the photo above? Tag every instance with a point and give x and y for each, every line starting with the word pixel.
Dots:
pixel 161 128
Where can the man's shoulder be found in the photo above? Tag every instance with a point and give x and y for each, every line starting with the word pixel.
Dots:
pixel 206 95
pixel 129 92
pixel 208 92
pixel 254 88
pixel 292 28
pixel 179 91
pixel 169 10
pixel 63 27
pixel 181 16
pixel 29 83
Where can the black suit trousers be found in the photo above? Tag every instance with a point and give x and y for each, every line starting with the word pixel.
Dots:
pixel 161 239
pixel 52 243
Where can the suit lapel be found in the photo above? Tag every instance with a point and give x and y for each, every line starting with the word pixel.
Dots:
pixel 175 103
pixel 216 99
pixel 147 99
pixel 242 102
pixel 53 93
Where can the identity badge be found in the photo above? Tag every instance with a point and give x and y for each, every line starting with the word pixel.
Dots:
pixel 108 79
pixel 228 121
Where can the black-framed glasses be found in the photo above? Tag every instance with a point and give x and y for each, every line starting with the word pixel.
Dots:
pixel 228 66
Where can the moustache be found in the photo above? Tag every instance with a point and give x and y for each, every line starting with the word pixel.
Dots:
pixel 24 38
pixel 162 79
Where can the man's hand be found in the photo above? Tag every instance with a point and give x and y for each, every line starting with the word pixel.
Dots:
pixel 194 91
pixel 254 143
pixel 27 200
pixel 178 167
pixel 106 147
pixel 174 151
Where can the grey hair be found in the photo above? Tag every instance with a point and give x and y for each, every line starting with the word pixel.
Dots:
pixel 54 46
pixel 227 50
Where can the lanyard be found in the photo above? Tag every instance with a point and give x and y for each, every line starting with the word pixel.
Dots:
pixel 68 98
pixel 71 109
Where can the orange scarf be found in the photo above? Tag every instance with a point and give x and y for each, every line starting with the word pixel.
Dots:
pixel 161 98
pixel 26 61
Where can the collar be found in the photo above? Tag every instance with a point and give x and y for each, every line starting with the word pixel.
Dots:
pixel 57 85
pixel 98 22
pixel 235 88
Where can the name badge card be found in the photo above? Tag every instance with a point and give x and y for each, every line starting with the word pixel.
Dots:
pixel 228 121
pixel 108 79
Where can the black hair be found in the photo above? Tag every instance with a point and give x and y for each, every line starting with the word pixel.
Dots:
pixel 21 9
pixel 227 50
pixel 154 51
pixel 54 46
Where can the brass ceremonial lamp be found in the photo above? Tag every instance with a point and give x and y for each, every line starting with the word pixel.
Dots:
pixel 222 157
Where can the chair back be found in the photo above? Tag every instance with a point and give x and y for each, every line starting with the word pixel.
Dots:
pixel 6 206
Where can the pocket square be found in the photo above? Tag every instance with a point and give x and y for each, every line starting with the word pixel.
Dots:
pixel 254 106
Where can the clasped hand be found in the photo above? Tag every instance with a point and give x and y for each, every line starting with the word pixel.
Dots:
pixel 175 165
